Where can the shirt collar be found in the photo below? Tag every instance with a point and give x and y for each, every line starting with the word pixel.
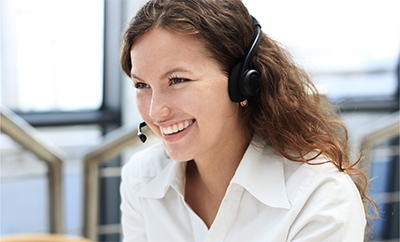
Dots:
pixel 261 173
pixel 172 175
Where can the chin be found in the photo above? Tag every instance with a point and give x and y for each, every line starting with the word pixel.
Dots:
pixel 177 154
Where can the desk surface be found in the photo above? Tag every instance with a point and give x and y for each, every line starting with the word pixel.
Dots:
pixel 42 238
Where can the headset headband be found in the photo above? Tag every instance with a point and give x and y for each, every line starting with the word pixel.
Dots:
pixel 248 61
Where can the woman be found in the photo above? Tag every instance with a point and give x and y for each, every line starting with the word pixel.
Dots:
pixel 249 152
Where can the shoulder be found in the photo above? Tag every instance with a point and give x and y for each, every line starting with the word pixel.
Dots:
pixel 325 198
pixel 321 177
pixel 321 189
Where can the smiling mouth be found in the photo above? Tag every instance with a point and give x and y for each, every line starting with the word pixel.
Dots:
pixel 176 127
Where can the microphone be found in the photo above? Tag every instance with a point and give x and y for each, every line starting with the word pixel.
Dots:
pixel 141 136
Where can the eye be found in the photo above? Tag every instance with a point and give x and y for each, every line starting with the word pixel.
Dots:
pixel 141 85
pixel 177 80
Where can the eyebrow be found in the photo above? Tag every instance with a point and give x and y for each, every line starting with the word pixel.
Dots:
pixel 133 76
pixel 177 69
pixel 166 74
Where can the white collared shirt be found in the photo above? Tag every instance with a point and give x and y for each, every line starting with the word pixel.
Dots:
pixel 268 199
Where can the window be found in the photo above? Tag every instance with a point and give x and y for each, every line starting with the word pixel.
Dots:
pixel 52 55
pixel 350 47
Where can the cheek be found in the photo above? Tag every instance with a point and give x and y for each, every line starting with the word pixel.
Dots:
pixel 218 101
pixel 142 105
pixel 213 108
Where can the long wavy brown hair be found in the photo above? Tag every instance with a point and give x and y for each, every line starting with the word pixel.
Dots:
pixel 288 112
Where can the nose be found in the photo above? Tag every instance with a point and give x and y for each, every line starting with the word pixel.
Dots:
pixel 159 107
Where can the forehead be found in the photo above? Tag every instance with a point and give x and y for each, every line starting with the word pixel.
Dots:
pixel 161 48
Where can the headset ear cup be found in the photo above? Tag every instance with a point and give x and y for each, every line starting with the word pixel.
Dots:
pixel 233 85
pixel 250 83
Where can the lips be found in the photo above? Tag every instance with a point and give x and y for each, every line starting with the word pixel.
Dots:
pixel 176 127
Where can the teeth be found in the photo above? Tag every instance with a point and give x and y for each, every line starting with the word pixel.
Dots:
pixel 176 128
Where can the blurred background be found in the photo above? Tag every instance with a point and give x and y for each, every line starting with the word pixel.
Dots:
pixel 60 73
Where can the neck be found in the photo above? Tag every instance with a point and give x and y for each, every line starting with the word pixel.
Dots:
pixel 207 180
pixel 216 171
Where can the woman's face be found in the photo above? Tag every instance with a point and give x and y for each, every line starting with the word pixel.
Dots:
pixel 182 94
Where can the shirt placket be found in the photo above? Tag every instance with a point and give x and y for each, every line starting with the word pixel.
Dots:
pixel 227 212
pixel 199 228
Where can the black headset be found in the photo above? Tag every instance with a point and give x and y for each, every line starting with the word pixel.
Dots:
pixel 244 81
